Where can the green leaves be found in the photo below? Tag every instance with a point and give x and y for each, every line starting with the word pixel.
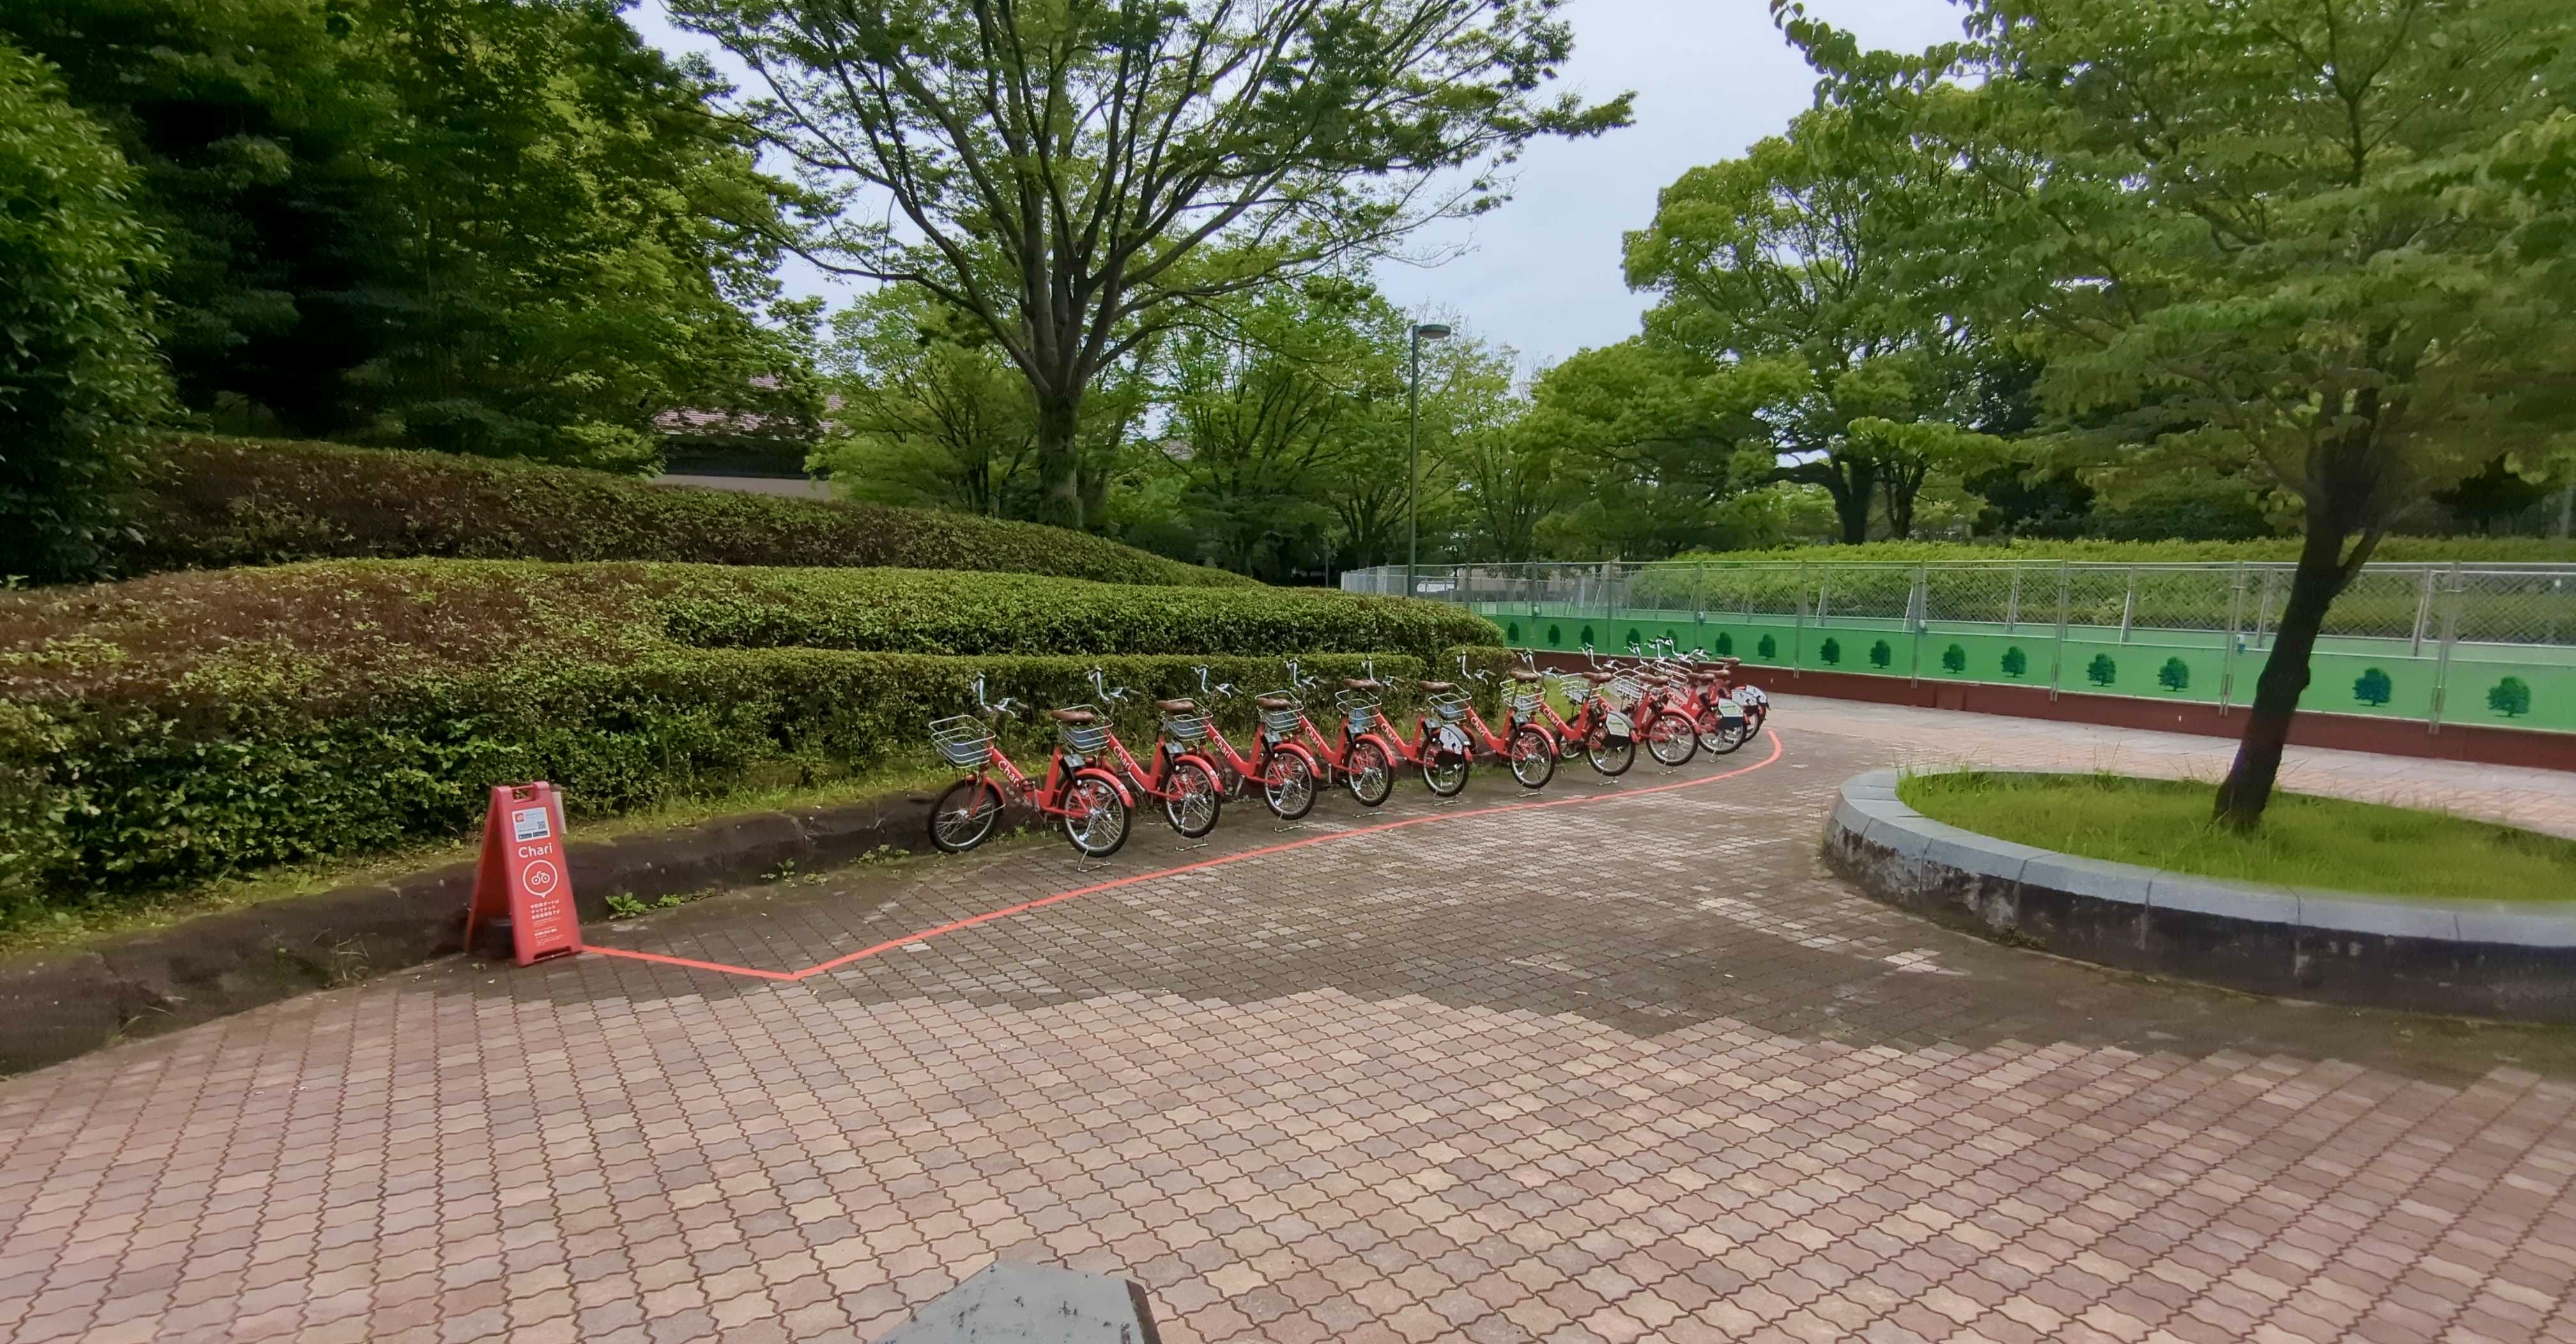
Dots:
pixel 78 376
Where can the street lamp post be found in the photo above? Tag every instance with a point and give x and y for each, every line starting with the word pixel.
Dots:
pixel 1422 331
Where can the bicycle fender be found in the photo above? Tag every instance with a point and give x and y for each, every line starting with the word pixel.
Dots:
pixel 1114 782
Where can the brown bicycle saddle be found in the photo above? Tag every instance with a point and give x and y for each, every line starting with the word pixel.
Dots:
pixel 1600 678
pixel 1177 706
pixel 1274 702
pixel 1518 675
pixel 1435 687
pixel 1362 684
pixel 1076 716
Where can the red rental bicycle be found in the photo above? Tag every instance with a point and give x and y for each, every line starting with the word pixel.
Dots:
pixel 1600 729
pixel 1183 781
pixel 1359 761
pixel 1668 727
pixel 1286 772
pixel 1530 748
pixel 1090 801
pixel 1728 715
pixel 1439 748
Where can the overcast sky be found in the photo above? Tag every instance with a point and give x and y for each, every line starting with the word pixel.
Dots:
pixel 1541 274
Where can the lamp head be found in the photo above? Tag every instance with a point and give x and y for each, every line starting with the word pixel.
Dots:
pixel 1431 331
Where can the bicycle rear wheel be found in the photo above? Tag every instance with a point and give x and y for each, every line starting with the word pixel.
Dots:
pixel 1533 757
pixel 1370 778
pixel 1197 799
pixel 1719 735
pixel 1672 738
pixel 1095 818
pixel 1610 755
pixel 1288 786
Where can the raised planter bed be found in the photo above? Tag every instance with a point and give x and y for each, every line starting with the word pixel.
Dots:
pixel 2480 959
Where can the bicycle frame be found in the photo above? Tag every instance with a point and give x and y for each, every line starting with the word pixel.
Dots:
pixel 1044 796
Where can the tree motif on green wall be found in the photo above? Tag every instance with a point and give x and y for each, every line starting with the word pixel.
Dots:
pixel 2373 687
pixel 2016 662
pixel 2101 671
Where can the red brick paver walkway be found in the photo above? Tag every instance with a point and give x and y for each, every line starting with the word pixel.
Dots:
pixel 1631 1071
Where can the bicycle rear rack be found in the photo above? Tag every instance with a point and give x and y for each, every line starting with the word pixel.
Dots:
pixel 1282 720
pixel 1087 738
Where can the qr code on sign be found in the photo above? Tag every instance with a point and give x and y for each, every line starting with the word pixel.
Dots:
pixel 530 823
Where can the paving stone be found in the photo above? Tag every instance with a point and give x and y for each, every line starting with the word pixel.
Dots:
pixel 1631 1069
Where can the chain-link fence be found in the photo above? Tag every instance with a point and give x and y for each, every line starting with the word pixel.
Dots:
pixel 2490 643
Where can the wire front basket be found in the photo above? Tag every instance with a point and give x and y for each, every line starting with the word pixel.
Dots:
pixel 1186 727
pixel 1359 710
pixel 1449 705
pixel 1086 738
pixel 1526 704
pixel 1621 692
pixel 963 740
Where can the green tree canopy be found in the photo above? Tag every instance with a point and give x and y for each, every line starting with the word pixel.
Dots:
pixel 1082 176
pixel 77 371
pixel 499 228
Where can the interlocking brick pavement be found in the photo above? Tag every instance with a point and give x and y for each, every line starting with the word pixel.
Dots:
pixel 1638 1070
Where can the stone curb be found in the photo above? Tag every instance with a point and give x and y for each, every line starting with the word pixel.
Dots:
pixel 64 1004
pixel 2474 958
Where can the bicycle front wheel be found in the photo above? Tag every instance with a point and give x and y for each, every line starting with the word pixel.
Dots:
pixel 1196 799
pixel 1288 786
pixel 1533 757
pixel 1370 778
pixel 1672 738
pixel 1610 755
pixel 1095 818
pixel 964 815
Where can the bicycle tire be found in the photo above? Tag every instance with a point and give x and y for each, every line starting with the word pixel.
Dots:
pixel 1714 737
pixel 1369 776
pixel 1093 807
pixel 1184 771
pixel 1533 757
pixel 1610 755
pixel 968 823
pixel 1436 775
pixel 1664 730
pixel 1288 785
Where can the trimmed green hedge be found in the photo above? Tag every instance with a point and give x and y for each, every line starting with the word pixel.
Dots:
pixel 136 799
pixel 211 503
pixel 167 730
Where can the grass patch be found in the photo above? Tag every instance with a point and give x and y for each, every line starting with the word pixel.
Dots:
pixel 2306 841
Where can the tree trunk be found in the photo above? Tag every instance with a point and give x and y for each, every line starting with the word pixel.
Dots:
pixel 2323 571
pixel 1853 485
pixel 1059 461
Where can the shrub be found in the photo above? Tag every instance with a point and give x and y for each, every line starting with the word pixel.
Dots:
pixel 77 368
pixel 208 503
pixel 170 729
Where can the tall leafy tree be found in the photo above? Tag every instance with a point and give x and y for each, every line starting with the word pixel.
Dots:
pixel 2274 237
pixel 501 228
pixel 928 412
pixel 1082 175
pixel 77 371
pixel 1796 269
pixel 1651 440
